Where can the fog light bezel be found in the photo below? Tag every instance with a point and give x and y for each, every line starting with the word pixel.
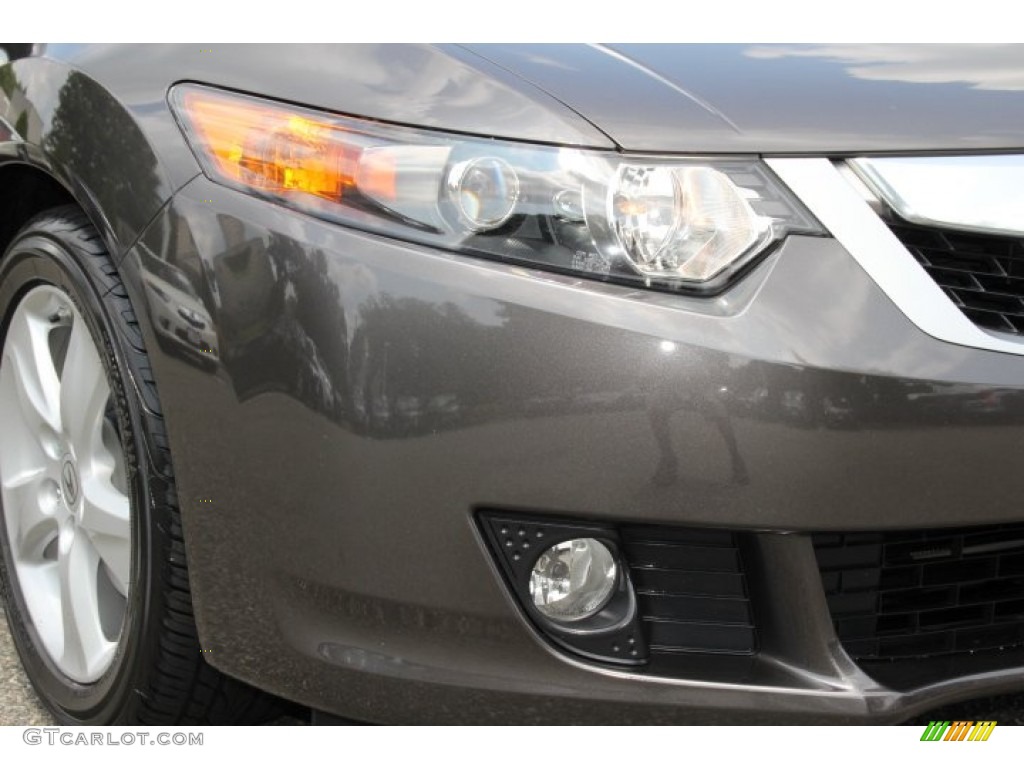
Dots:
pixel 612 634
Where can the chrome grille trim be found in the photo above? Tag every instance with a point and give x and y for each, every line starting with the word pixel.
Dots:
pixel 862 232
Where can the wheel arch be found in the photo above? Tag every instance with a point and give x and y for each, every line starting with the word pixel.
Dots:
pixel 66 137
pixel 26 190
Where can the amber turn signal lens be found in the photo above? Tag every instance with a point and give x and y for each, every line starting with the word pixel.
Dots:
pixel 271 148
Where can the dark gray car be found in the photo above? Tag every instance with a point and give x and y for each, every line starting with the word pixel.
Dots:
pixel 575 384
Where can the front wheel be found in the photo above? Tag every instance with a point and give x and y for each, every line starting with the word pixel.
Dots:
pixel 92 563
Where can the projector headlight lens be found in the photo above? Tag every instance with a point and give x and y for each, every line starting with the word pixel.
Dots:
pixel 485 191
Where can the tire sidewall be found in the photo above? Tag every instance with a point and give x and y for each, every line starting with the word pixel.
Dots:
pixel 39 257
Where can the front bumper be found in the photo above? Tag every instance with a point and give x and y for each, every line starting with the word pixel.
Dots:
pixel 369 396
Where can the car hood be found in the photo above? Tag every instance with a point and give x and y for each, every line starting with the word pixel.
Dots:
pixel 835 99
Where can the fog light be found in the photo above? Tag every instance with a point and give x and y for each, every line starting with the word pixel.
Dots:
pixel 573 580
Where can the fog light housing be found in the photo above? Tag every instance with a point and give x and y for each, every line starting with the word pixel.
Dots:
pixel 573 580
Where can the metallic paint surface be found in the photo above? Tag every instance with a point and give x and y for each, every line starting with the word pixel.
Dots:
pixel 802 99
pixel 418 85
pixel 370 395
pixel 365 396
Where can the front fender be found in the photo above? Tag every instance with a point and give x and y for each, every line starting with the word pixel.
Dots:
pixel 66 124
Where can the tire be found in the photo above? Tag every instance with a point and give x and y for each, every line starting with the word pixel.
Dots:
pixel 135 659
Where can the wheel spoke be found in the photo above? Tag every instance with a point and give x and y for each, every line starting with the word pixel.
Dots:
pixel 21 443
pixel 106 517
pixel 85 646
pixel 105 510
pixel 116 554
pixel 83 393
pixel 40 584
pixel 27 351
pixel 31 520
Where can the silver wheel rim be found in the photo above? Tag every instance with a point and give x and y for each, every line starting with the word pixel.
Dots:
pixel 63 484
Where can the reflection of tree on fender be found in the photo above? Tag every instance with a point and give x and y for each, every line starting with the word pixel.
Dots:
pixel 93 143
pixel 12 101
pixel 281 318
pixel 690 379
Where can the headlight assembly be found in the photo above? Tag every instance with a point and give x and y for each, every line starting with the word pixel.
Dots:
pixel 674 223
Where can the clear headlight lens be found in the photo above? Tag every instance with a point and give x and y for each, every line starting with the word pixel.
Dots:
pixel 666 222
pixel 684 223
pixel 573 580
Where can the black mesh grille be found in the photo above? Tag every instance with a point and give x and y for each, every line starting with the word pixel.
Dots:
pixel 917 594
pixel 691 590
pixel 982 274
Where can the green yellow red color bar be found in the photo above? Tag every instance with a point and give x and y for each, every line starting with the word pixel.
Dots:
pixel 959 730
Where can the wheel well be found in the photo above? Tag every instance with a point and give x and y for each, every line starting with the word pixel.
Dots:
pixel 24 192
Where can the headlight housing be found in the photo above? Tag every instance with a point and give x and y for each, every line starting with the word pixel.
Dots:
pixel 672 223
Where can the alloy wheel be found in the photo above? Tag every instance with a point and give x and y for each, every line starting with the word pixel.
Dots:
pixel 63 484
